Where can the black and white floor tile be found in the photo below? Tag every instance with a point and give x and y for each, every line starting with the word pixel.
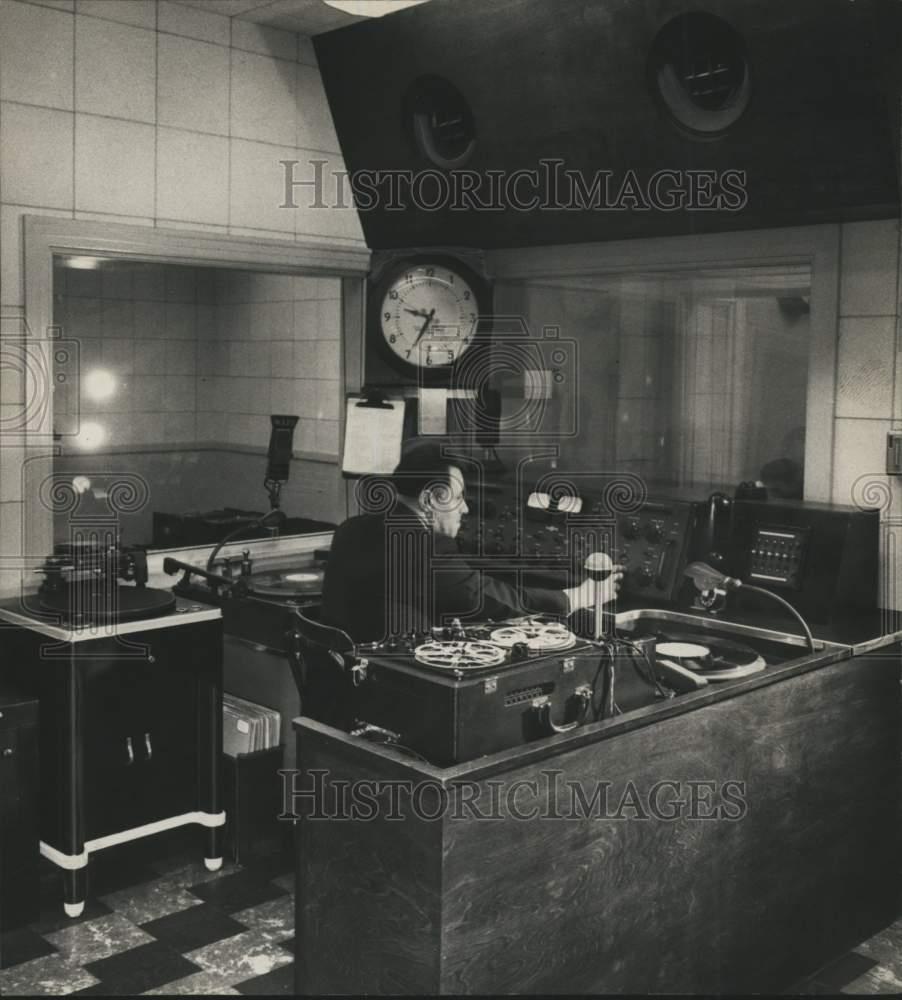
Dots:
pixel 158 923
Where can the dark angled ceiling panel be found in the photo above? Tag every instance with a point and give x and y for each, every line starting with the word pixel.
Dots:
pixel 568 80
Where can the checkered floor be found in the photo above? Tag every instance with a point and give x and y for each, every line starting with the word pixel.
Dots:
pixel 158 923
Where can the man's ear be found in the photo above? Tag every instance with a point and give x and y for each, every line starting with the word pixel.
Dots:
pixel 425 498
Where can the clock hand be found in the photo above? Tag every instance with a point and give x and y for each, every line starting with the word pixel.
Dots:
pixel 416 312
pixel 428 316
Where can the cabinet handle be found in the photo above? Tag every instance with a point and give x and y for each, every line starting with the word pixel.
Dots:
pixel 130 750
pixel 147 746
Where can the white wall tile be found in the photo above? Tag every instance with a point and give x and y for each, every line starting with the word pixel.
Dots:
pixel 316 129
pixel 264 40
pixel 329 318
pixel 261 404
pixel 193 23
pixel 119 356
pixel 144 15
pixel 210 427
pixel 192 176
pixel 284 395
pixel 256 187
pixel 869 268
pixel 114 166
pixel 67 5
pixel 36 156
pixel 304 287
pixel 326 437
pixel 328 208
pixel 150 356
pixel 193 85
pixel 306 320
pixel 115 69
pixel 117 318
pixel 859 449
pixel 181 357
pixel 179 393
pixel 36 53
pixel 864 369
pixel 147 393
pixel 179 428
pixel 327 359
pixel 150 320
pixel 179 321
pixel 263 98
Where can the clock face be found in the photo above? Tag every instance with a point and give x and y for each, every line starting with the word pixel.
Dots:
pixel 428 315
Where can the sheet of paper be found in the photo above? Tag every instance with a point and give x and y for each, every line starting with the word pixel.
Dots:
pixel 433 411
pixel 372 437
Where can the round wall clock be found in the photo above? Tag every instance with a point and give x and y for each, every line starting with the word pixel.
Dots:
pixel 424 313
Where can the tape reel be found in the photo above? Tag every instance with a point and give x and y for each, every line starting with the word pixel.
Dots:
pixel 471 654
pixel 540 637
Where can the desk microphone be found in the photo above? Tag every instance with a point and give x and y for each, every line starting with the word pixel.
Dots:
pixel 599 566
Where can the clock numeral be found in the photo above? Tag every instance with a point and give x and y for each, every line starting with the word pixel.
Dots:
pixel 393 295
pixel 407 354
pixel 450 356
pixel 430 272
pixel 450 279
pixel 392 339
pixel 428 359
pixel 387 315
pixel 466 295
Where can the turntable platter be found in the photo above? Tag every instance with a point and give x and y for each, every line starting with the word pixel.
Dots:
pixel 725 660
pixel 287 583
pixel 101 605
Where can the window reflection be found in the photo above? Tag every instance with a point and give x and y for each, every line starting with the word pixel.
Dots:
pixel 695 380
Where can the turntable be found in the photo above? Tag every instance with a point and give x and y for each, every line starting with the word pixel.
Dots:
pixel 297 583
pixel 710 650
pixel 81 585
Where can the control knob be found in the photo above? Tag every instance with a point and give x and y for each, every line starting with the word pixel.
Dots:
pixel 631 527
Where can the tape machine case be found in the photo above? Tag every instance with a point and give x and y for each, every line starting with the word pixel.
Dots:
pixel 466 692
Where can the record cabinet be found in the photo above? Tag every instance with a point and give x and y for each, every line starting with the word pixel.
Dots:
pixel 130 733
pixel 18 809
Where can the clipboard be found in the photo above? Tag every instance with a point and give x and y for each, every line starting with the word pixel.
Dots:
pixel 374 430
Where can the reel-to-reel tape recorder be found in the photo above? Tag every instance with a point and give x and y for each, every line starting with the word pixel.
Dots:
pixel 463 691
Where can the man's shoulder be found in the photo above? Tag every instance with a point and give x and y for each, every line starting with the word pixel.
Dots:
pixel 360 526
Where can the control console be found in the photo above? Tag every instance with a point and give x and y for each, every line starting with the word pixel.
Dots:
pixel 551 545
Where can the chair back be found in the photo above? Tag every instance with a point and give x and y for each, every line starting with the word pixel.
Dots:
pixel 321 658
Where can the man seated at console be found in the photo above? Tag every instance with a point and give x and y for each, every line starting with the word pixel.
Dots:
pixel 399 570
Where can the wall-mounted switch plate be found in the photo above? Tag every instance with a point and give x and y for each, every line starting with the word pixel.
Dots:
pixel 894 453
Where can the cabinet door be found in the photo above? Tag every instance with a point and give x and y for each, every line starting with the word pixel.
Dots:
pixel 139 732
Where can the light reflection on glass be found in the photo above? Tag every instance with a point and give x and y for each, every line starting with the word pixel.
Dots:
pixel 99 384
pixel 90 436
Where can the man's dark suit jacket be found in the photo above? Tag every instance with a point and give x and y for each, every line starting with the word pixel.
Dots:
pixel 388 574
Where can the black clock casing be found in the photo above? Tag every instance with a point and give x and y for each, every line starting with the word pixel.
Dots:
pixel 420 285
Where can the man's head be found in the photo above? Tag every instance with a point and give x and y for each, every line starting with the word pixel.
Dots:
pixel 433 484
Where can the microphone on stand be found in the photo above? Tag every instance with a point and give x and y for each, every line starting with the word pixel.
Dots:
pixel 710 582
pixel 599 567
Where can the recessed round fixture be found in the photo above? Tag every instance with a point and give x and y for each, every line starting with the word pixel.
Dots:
pixel 440 121
pixel 698 69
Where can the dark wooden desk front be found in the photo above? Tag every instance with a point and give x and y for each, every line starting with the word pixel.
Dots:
pixel 617 903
